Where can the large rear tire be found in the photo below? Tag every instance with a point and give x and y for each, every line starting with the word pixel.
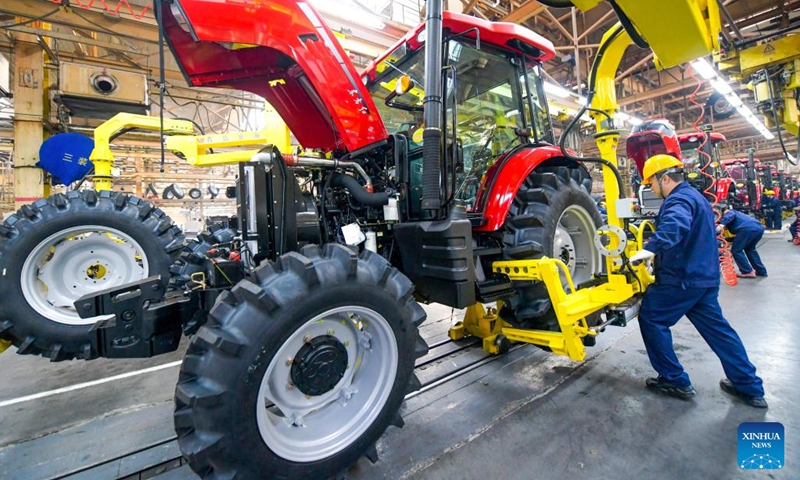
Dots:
pixel 298 375
pixel 56 250
pixel 552 215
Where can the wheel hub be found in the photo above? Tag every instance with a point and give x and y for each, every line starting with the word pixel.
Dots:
pixel 319 365
pixel 75 262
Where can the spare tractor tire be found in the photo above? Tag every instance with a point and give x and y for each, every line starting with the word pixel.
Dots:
pixel 192 258
pixel 299 372
pixel 56 250
pixel 552 215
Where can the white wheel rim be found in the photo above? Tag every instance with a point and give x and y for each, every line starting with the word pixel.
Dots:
pixel 77 261
pixel 573 243
pixel 303 428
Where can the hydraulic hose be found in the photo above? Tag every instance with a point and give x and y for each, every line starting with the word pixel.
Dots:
pixel 788 156
pixel 576 118
pixel 602 161
pixel 725 257
pixel 358 192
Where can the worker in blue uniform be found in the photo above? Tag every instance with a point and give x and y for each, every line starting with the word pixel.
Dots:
pixel 687 283
pixel 748 232
pixel 772 210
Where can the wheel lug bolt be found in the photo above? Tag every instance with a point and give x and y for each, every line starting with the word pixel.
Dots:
pixel 307 339
pixel 289 386
pixel 331 333
pixel 289 362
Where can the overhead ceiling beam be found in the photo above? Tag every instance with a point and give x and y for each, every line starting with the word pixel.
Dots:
pixel 560 26
pixel 657 92
pixel 599 23
pixel 469 5
pixel 141 30
pixel 634 67
pixel 524 12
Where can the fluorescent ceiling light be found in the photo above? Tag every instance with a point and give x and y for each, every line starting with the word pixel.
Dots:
pixel 622 116
pixel 721 86
pixel 556 90
pixel 635 121
pixel 734 100
pixel 705 70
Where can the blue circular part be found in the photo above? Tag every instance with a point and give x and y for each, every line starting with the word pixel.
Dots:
pixel 66 156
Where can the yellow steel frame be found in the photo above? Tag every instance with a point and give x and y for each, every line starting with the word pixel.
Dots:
pixel 195 148
pixel 180 139
pixel 101 156
pixel 571 308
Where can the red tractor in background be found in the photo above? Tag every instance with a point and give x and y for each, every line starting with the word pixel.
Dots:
pixel 749 189
pixel 701 166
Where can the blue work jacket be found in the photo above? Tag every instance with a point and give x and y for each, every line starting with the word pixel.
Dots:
pixel 685 241
pixel 771 204
pixel 737 222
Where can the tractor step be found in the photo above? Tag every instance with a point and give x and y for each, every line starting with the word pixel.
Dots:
pixel 494 288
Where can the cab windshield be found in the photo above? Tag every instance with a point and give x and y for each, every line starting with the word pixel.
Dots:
pixel 495 101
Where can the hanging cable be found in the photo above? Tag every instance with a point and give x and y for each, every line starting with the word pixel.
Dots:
pixel 789 157
pixel 162 80
pixel 725 257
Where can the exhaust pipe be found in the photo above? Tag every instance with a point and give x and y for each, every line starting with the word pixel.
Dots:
pixel 432 104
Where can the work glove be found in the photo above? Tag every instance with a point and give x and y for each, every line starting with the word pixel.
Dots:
pixel 641 256
pixel 720 228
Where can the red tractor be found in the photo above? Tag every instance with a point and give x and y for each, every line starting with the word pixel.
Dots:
pixel 698 151
pixel 433 163
pixel 749 189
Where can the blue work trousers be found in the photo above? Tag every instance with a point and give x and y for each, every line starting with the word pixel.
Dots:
pixel 745 254
pixel 664 305
pixel 774 220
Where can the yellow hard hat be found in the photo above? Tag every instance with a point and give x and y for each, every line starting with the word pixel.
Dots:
pixel 659 163
pixel 769 192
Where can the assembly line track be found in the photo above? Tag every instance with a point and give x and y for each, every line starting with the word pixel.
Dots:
pixel 438 353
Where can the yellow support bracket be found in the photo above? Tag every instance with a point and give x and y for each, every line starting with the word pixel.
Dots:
pixel 4 344
pixel 571 308
pixel 101 155
pixel 195 148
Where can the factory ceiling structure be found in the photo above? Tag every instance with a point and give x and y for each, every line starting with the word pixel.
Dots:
pixel 123 35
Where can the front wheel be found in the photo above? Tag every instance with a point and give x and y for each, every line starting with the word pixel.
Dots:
pixel 299 374
pixel 56 250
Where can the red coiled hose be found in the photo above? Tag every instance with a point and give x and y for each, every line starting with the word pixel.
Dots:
pixel 726 262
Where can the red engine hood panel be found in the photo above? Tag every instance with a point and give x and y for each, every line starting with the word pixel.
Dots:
pixel 284 52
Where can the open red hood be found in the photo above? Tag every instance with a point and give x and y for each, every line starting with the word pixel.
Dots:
pixel 283 51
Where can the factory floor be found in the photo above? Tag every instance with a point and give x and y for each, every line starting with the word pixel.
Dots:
pixel 527 415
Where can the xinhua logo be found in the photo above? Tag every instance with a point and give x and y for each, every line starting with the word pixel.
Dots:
pixel 761 446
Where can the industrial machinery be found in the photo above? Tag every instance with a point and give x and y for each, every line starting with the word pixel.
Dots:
pixel 433 177
pixel 749 188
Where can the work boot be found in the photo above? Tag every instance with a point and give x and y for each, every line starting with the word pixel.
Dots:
pixel 667 388
pixel 751 274
pixel 727 387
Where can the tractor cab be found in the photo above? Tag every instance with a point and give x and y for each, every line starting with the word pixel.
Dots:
pixel 651 138
pixel 492 97
pixel 748 187
pixel 700 155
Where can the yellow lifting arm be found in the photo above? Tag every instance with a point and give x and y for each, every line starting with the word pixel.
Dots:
pixel 101 156
pixel 692 31
pixel 195 148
